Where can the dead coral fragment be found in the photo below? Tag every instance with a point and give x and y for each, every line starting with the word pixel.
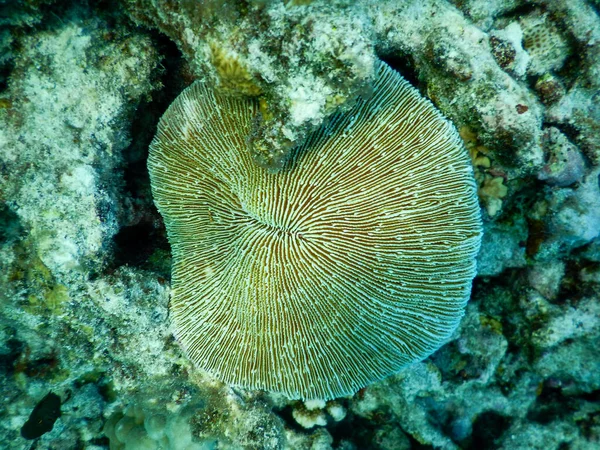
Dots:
pixel 352 262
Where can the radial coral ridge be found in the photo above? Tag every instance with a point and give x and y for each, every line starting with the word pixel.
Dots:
pixel 353 262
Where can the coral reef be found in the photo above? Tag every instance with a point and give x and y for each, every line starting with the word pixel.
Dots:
pixel 87 353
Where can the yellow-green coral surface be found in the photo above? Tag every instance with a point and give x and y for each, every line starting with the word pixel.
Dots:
pixel 352 263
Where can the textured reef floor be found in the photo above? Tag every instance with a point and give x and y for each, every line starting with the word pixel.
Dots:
pixel 87 357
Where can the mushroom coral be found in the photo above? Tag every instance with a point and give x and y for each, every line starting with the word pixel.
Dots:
pixel 354 261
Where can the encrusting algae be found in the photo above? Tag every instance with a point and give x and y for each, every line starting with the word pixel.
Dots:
pixel 354 261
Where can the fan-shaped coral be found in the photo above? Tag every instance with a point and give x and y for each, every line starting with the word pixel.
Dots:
pixel 316 281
